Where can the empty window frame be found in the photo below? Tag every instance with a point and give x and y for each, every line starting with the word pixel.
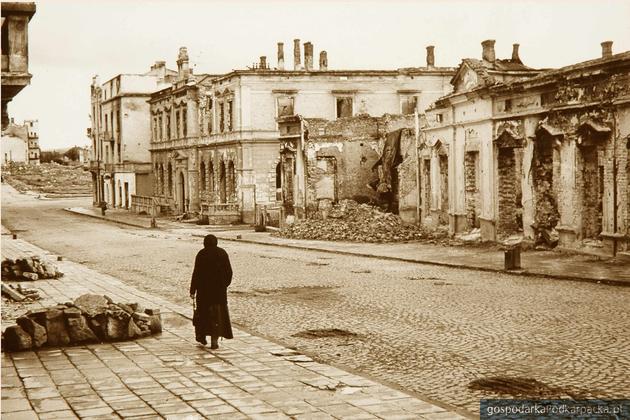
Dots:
pixel 285 106
pixel 344 106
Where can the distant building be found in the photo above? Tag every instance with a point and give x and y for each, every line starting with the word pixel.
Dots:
pixel 121 133
pixel 34 152
pixel 20 143
pixel 15 75
pixel 215 144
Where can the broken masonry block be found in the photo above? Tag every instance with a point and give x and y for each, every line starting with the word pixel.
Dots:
pixel 91 304
pixel 36 331
pixel 16 339
pixel 133 330
pixel 55 324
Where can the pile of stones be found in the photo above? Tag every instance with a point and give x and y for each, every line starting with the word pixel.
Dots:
pixel 29 268
pixel 351 221
pixel 89 319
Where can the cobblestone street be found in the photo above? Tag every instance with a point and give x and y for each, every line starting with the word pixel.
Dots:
pixel 427 329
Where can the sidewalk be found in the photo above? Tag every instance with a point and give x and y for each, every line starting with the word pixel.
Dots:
pixel 545 264
pixel 169 376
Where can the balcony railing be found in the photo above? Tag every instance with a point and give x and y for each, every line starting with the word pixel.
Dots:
pixel 142 203
pixel 214 208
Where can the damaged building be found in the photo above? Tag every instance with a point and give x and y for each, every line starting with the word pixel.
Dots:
pixel 542 154
pixel 365 159
pixel 215 139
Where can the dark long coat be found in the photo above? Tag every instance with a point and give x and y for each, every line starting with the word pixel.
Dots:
pixel 211 277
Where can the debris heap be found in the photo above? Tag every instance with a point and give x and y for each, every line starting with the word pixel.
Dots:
pixel 351 221
pixel 51 179
pixel 29 268
pixel 18 293
pixel 89 319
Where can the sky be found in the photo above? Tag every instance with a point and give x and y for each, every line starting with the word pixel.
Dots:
pixel 70 41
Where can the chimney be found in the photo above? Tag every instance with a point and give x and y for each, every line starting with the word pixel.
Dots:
pixel 607 49
pixel 515 57
pixel 280 56
pixel 182 63
pixel 323 60
pixel 430 56
pixel 296 55
pixel 263 62
pixel 308 56
pixel 488 50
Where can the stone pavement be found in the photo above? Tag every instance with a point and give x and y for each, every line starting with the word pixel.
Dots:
pixel 546 264
pixel 168 376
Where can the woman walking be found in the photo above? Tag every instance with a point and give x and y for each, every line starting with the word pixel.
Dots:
pixel 210 279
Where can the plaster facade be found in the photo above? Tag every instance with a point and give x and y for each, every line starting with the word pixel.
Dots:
pixel 233 124
pixel 527 155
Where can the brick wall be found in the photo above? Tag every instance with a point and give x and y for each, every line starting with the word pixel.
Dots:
pixel 545 198
pixel 510 209
pixel 471 162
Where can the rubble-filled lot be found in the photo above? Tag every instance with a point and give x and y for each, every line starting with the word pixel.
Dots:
pixel 351 221
pixel 51 179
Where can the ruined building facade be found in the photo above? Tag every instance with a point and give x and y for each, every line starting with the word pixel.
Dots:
pixel 531 153
pixel 215 139
pixel 363 158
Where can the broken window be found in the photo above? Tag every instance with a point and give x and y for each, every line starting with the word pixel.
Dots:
pixel 221 118
pixel 285 106
pixel 408 104
pixel 168 125
pixel 344 107
pixel 178 124
pixel 229 116
pixel 222 183
pixel 439 118
pixel 155 130
pixel 210 116
pixel 202 176
pixel 210 183
pixel 185 121
pixel 508 105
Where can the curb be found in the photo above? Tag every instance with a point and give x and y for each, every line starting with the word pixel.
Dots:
pixel 94 216
pixel 521 273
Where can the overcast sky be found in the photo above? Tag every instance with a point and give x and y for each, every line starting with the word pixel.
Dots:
pixel 70 41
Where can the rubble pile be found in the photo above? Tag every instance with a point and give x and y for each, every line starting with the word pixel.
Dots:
pixel 29 268
pixel 49 178
pixel 89 319
pixel 351 221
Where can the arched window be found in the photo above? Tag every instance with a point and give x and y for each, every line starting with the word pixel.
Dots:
pixel 222 183
pixel 202 176
pixel 210 183
pixel 169 177
pixel 231 181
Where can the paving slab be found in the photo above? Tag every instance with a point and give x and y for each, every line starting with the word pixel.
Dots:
pixel 169 375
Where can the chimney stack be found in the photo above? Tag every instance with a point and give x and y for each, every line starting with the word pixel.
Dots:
pixel 607 49
pixel 308 56
pixel 515 56
pixel 430 56
pixel 280 56
pixel 323 60
pixel 263 62
pixel 488 50
pixel 296 55
pixel 182 63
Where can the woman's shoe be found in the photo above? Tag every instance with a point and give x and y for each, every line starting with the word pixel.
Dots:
pixel 201 339
pixel 214 344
